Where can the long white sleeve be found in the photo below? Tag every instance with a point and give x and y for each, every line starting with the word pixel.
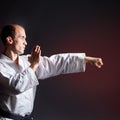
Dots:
pixel 61 64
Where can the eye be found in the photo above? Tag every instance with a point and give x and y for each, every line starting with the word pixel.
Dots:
pixel 22 37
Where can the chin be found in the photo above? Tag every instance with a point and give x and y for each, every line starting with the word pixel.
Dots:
pixel 21 52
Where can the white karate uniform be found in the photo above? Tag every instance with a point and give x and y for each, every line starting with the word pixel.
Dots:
pixel 18 82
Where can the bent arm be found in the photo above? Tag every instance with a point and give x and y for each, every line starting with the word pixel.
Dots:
pixel 15 83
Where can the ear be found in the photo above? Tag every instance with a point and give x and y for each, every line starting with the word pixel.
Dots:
pixel 9 40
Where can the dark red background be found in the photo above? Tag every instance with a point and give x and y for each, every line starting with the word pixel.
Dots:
pixel 86 26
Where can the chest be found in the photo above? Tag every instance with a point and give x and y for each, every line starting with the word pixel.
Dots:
pixel 12 68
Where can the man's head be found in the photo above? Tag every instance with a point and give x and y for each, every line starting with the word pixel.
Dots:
pixel 13 37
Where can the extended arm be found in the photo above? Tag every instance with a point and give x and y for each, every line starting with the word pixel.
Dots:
pixel 62 63
pixel 45 67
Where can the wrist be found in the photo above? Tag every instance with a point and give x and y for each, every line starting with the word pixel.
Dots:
pixel 33 67
pixel 87 59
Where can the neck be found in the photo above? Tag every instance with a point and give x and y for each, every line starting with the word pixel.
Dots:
pixel 12 56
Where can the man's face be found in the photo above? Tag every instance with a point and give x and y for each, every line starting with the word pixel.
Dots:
pixel 19 42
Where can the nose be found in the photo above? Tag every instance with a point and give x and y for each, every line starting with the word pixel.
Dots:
pixel 25 42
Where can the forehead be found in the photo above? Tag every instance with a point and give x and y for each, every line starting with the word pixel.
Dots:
pixel 20 30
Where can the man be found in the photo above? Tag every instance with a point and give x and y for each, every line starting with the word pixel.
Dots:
pixel 19 74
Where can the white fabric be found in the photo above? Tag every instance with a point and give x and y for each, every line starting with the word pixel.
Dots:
pixel 18 82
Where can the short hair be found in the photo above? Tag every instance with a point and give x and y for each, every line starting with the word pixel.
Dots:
pixel 7 30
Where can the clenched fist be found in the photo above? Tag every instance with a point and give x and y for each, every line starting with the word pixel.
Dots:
pixel 94 61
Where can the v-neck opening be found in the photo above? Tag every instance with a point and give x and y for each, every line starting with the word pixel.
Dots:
pixel 6 59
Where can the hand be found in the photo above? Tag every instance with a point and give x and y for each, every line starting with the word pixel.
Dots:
pixel 34 59
pixel 95 61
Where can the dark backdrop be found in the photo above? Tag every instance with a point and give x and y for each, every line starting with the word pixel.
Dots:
pixel 90 26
